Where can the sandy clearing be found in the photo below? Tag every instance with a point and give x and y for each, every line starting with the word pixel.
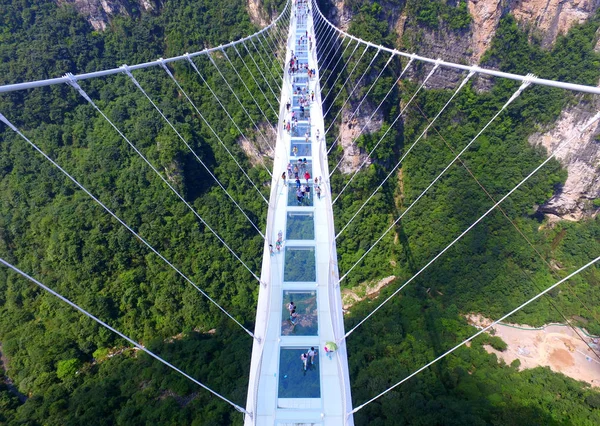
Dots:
pixel 555 346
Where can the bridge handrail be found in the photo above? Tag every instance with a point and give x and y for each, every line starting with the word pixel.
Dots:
pixel 470 68
pixel 335 306
pixel 59 80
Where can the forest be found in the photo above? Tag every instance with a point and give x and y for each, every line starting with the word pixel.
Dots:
pixel 61 368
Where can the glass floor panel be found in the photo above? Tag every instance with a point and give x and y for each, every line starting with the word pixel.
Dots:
pixel 300 264
pixel 301 149
pixel 296 100
pixel 301 115
pixel 300 168
pixel 294 380
pixel 300 90
pixel 300 226
pixel 301 130
pixel 301 79
pixel 305 322
pixel 306 201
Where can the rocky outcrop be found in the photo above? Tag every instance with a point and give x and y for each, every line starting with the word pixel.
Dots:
pixel 552 17
pixel 255 10
pixel 351 129
pixel 342 15
pixel 486 14
pixel 257 148
pixel 545 19
pixel 99 12
pixel 581 158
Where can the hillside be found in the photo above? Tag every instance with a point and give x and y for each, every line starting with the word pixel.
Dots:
pixel 60 368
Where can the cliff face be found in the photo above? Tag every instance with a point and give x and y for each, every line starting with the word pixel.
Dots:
pixel 98 12
pixel 543 19
pixel 255 10
pixel 581 158
pixel 552 17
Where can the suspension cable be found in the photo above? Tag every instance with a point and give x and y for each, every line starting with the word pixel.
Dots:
pixel 258 130
pixel 387 131
pixel 329 41
pixel 393 123
pixel 139 237
pixel 339 58
pixel 346 82
pixel 254 79
pixel 273 42
pixel 512 98
pixel 378 106
pixel 550 157
pixel 341 72
pixel 260 55
pixel 328 58
pixel 483 330
pixel 362 100
pixel 103 73
pixel 248 90
pixel 331 54
pixel 260 71
pixel 423 133
pixel 123 336
pixel 127 71
pixel 352 91
pixel 191 62
pixel 273 48
pixel 168 71
pixel 495 73
pixel 520 232
pixel 326 38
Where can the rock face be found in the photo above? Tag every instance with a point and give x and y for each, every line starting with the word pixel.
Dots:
pixel 543 19
pixel 486 14
pixel 546 18
pixel 350 129
pixel 98 12
pixel 552 17
pixel 342 15
pixel 581 158
pixel 255 8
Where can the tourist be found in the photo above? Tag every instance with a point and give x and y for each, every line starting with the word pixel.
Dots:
pixel 304 358
pixel 312 354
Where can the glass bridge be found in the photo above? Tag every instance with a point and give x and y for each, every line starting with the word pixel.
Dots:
pixel 292 380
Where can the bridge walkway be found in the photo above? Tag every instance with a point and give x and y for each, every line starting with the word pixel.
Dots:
pixel 301 264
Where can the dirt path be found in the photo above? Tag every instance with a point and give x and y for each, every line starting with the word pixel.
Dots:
pixel 555 346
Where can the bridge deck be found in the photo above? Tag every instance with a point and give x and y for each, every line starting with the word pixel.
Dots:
pixel 303 269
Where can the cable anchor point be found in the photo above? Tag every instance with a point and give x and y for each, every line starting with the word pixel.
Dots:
pixel 72 81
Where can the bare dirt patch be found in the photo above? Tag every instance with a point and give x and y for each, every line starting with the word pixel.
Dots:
pixel 555 346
